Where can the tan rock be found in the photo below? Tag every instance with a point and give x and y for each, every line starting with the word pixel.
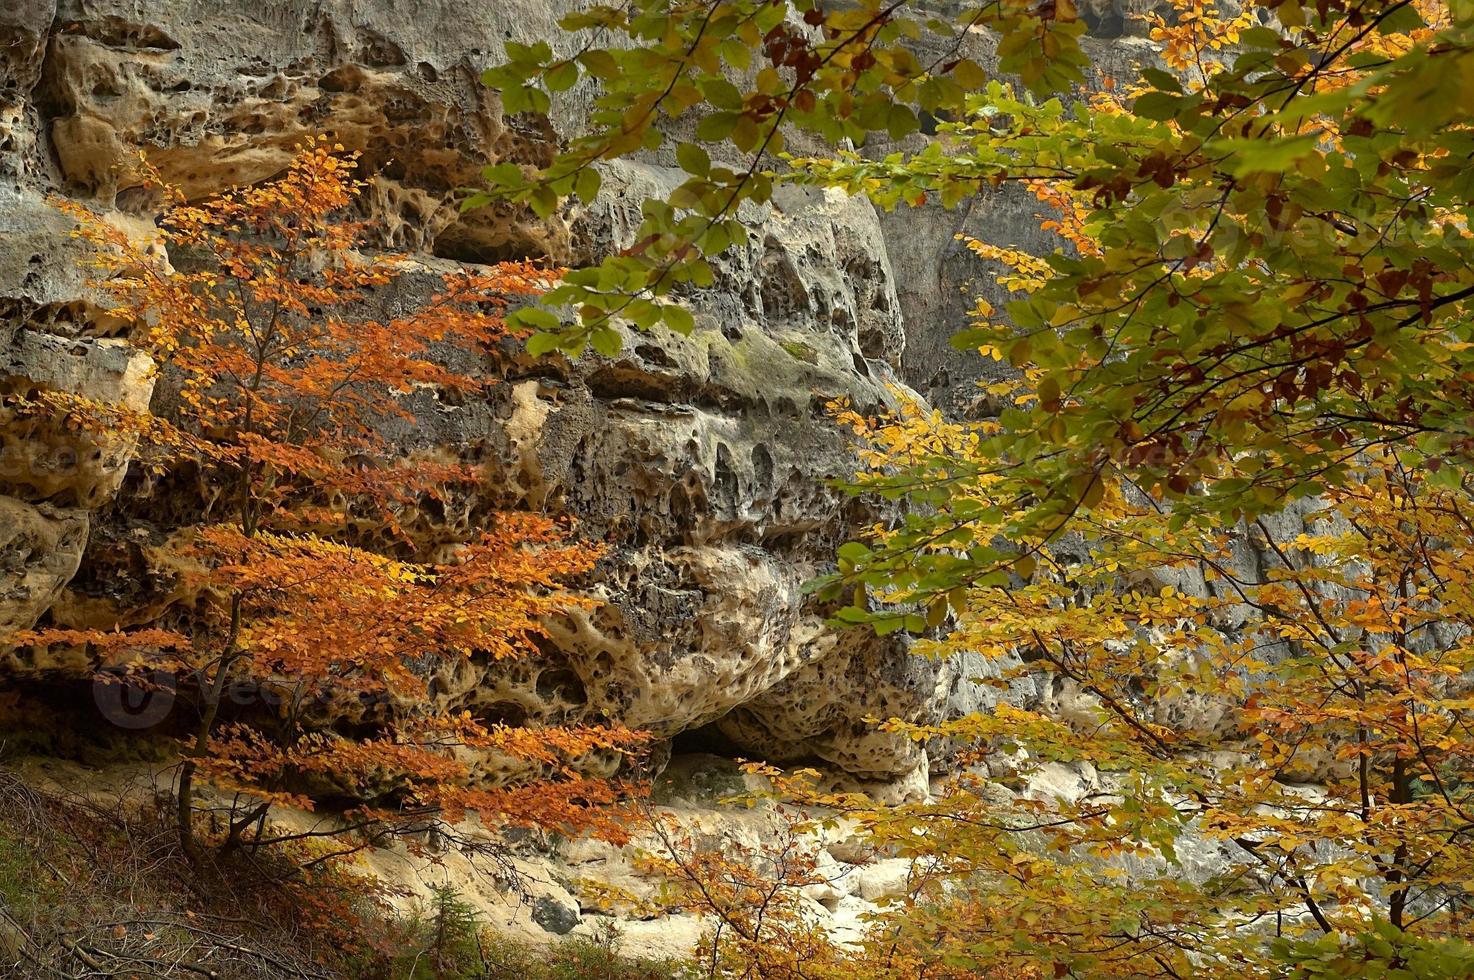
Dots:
pixel 43 457
pixel 40 550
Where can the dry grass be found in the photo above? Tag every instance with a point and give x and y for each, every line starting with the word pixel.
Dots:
pixel 92 889
pixel 97 887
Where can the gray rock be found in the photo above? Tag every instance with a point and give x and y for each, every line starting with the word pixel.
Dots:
pixel 554 916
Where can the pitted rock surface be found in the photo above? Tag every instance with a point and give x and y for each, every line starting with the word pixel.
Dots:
pixel 704 462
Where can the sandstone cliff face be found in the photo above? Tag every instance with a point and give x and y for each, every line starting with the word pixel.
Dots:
pixel 703 461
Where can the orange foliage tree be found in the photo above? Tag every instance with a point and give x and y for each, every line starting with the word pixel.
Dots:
pixel 285 378
pixel 751 896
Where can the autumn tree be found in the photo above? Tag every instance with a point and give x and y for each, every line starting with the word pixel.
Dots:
pixel 1261 300
pixel 1247 751
pixel 1279 205
pixel 1274 716
pixel 313 598
pixel 749 895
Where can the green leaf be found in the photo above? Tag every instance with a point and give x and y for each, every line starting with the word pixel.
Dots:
pixel 561 77
pixel 900 122
pixel 1157 105
pixel 587 185
pixel 679 319
pixel 540 344
pixel 969 75
pixel 544 201
pixel 599 63
pixel 1159 79
pixel 535 318
pixel 717 127
pixel 721 93
pixel 700 273
pixel 643 313
pixel 1274 154
pixel 503 176
pixel 606 341
pixel 1400 19
pixel 889 625
pixel 693 159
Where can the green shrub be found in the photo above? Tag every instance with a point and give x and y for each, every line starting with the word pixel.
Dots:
pixel 1382 953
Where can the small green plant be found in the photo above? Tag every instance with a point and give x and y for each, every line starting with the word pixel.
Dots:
pixel 443 944
pixel 801 351
pixel 17 875
pixel 596 957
